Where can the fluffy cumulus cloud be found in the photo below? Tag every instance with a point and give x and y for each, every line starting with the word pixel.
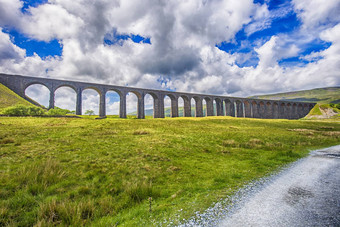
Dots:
pixel 174 45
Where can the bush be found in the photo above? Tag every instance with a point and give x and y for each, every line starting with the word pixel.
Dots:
pixel 338 106
pixel 21 110
pixel 332 105
pixel 58 111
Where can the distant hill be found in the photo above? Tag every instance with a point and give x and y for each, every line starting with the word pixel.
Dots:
pixel 9 98
pixel 318 95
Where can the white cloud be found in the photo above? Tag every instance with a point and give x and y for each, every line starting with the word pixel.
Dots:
pixel 317 13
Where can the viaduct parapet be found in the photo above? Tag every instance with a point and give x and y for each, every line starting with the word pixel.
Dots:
pixel 225 106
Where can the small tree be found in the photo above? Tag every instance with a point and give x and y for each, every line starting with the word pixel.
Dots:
pixel 89 112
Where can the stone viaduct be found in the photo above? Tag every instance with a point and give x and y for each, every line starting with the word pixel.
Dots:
pixel 229 106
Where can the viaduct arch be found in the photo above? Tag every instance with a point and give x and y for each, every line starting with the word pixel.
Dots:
pixel 233 106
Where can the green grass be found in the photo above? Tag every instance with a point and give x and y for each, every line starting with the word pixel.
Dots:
pixel 318 95
pixel 9 98
pixel 63 171
pixel 316 110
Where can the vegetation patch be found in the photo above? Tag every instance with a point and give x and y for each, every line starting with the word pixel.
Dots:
pixel 150 172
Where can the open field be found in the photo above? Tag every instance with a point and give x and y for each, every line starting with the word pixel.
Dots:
pixel 103 172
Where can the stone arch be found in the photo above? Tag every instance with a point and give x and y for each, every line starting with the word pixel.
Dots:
pixel 135 104
pixel 66 85
pixel 247 108
pixel 90 100
pixel 276 110
pixel 186 106
pixel 36 83
pixel 255 109
pixel 180 103
pixel 239 108
pixel 209 106
pixel 174 105
pixel 268 110
pixel 198 106
pixel 300 110
pixel 229 108
pixel 113 100
pixel 261 109
pixel 149 104
pixel 168 106
pixel 39 93
pixel 66 97
pixel 289 110
pixel 294 111
pixel 283 111
pixel 218 107
pixel 99 91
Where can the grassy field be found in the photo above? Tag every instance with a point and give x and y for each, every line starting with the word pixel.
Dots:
pixel 61 171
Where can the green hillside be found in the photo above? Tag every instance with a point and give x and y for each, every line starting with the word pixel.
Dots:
pixel 9 98
pixel 318 95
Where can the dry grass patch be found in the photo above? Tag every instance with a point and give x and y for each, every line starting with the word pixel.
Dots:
pixel 140 132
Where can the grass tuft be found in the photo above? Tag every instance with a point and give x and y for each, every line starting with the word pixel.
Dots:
pixel 140 132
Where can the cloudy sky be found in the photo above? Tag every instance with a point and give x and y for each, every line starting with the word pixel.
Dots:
pixel 229 47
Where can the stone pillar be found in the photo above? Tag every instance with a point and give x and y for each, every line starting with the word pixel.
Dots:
pixel 210 107
pixel 282 111
pixel 174 107
pixel 255 110
pixel 161 106
pixel 229 109
pixel 51 104
pixel 122 106
pixel 158 106
pixel 140 107
pixel 199 108
pixel 187 108
pixel 268 110
pixel 102 104
pixel 219 108
pixel 239 109
pixel 294 112
pixel 79 101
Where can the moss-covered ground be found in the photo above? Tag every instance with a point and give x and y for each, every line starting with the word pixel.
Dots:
pixel 63 171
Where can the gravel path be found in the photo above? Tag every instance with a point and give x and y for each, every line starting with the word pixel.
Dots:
pixel 307 193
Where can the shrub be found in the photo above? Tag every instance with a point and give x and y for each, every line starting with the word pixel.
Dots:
pixel 21 110
pixel 332 105
pixel 58 111
pixel 338 106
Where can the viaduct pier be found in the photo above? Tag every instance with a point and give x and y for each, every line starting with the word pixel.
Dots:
pixel 225 105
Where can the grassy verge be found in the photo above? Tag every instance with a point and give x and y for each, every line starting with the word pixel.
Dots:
pixel 107 172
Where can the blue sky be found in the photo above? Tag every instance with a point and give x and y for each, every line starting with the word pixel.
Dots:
pixel 226 47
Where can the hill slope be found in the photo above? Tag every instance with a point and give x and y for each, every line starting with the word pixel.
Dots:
pixel 9 98
pixel 318 95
